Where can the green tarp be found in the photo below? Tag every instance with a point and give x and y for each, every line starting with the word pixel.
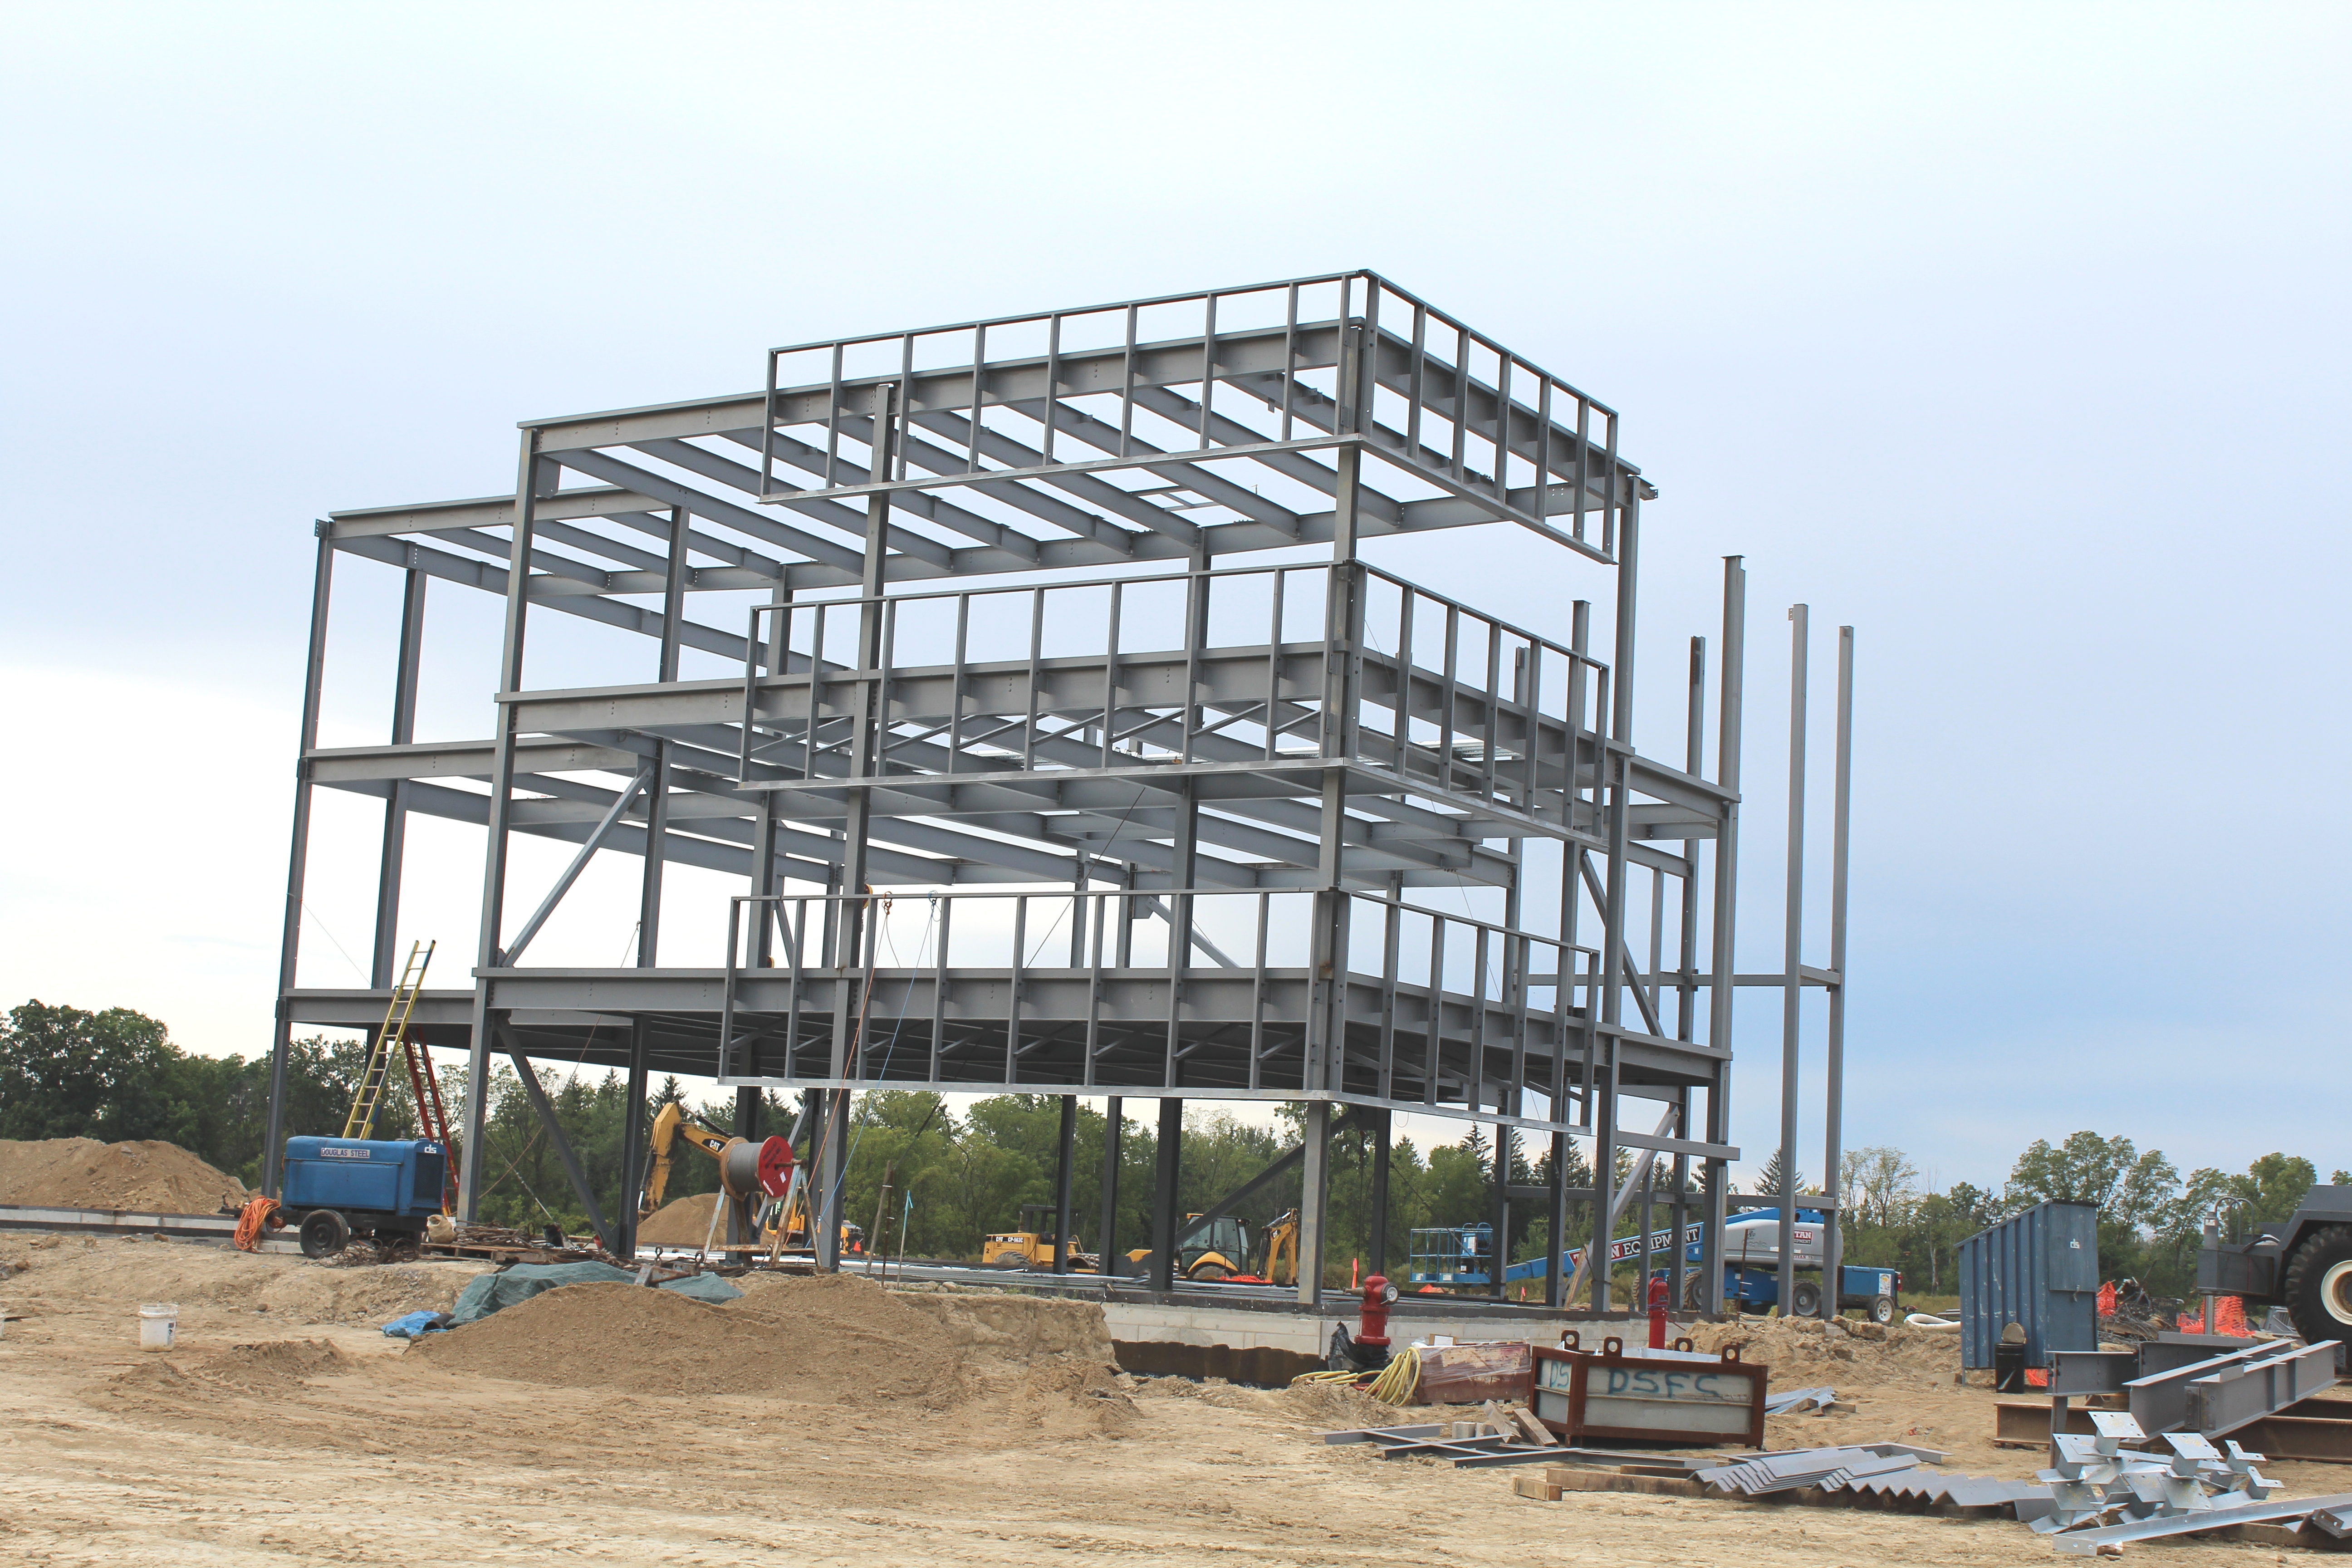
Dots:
pixel 495 1292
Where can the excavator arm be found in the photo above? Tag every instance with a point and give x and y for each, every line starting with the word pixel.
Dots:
pixel 671 1124
pixel 1280 1241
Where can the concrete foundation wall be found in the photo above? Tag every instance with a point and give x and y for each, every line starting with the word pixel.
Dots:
pixel 1138 1322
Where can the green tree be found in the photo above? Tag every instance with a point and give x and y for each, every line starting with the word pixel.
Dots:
pixel 65 1073
pixel 1768 1180
pixel 2132 1191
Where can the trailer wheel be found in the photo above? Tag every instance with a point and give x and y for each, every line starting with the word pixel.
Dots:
pixel 324 1233
pixel 2319 1286
pixel 1882 1310
pixel 1805 1299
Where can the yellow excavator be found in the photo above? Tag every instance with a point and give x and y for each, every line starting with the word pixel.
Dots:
pixel 747 1172
pixel 1031 1247
pixel 1221 1250
pixel 1218 1251
pixel 1277 1259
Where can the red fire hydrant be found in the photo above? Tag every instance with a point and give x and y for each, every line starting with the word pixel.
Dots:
pixel 1657 1311
pixel 1372 1330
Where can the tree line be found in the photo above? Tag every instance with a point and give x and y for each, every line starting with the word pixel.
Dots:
pixel 2151 1218
pixel 955 1175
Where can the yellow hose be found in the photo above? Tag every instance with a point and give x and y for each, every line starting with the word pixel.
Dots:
pixel 1395 1385
pixel 1400 1379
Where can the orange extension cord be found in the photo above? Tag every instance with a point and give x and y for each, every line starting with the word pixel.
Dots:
pixel 258 1213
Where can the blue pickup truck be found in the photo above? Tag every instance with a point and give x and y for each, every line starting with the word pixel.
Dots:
pixel 336 1188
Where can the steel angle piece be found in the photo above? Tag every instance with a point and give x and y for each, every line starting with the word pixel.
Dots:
pixel 2115 1428
pixel 2189 1450
pixel 2183 1495
pixel 2335 1522
pixel 2077 1449
pixel 2080 1497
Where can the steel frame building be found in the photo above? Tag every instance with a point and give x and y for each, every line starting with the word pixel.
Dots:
pixel 1056 638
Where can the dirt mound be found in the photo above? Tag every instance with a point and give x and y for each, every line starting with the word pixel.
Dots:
pixel 1802 1352
pixel 68 1275
pixel 274 1368
pixel 682 1222
pixel 1006 1326
pixel 831 1345
pixel 1324 1407
pixel 83 1173
pixel 1005 1364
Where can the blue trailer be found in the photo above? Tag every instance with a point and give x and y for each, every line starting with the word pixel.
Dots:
pixel 343 1187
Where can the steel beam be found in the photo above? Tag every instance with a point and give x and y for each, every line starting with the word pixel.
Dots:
pixel 581 1187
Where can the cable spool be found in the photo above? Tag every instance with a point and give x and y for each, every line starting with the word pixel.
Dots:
pixel 749 1170
pixel 739 1168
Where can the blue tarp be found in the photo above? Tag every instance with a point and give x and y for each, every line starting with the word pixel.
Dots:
pixel 417 1324
pixel 495 1292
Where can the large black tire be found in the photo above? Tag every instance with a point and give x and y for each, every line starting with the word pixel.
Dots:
pixel 1805 1299
pixel 2319 1286
pixel 324 1233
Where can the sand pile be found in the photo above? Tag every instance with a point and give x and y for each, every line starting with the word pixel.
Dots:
pixel 274 1371
pixel 1324 1407
pixel 1802 1352
pixel 83 1173
pixel 1014 1363
pixel 682 1222
pixel 983 1325
pixel 57 1276
pixel 838 1347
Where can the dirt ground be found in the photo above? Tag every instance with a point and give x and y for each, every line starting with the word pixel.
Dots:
pixel 936 1428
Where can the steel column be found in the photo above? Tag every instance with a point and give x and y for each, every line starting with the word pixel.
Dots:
pixel 1106 1241
pixel 1834 1254
pixel 536 476
pixel 633 1132
pixel 1314 1202
pixel 385 965
pixel 1792 949
pixel 1618 752
pixel 1166 1170
pixel 1499 1212
pixel 1730 702
pixel 1065 1140
pixel 290 941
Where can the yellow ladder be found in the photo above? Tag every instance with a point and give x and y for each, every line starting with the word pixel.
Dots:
pixel 392 1036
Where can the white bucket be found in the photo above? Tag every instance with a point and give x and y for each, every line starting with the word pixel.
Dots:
pixel 157 1320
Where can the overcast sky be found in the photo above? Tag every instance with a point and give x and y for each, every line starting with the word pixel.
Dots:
pixel 2014 337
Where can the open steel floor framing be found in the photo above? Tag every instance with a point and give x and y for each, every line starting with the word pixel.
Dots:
pixel 1052 639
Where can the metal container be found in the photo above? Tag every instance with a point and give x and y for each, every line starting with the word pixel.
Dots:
pixel 2040 1271
pixel 1633 1395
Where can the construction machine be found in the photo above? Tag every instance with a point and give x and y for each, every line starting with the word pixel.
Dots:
pixel 764 1175
pixel 1031 1246
pixel 1206 1253
pixel 2303 1263
pixel 1277 1255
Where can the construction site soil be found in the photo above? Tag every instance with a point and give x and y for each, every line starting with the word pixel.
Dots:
pixel 84 1174
pixel 817 1421
pixel 681 1222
